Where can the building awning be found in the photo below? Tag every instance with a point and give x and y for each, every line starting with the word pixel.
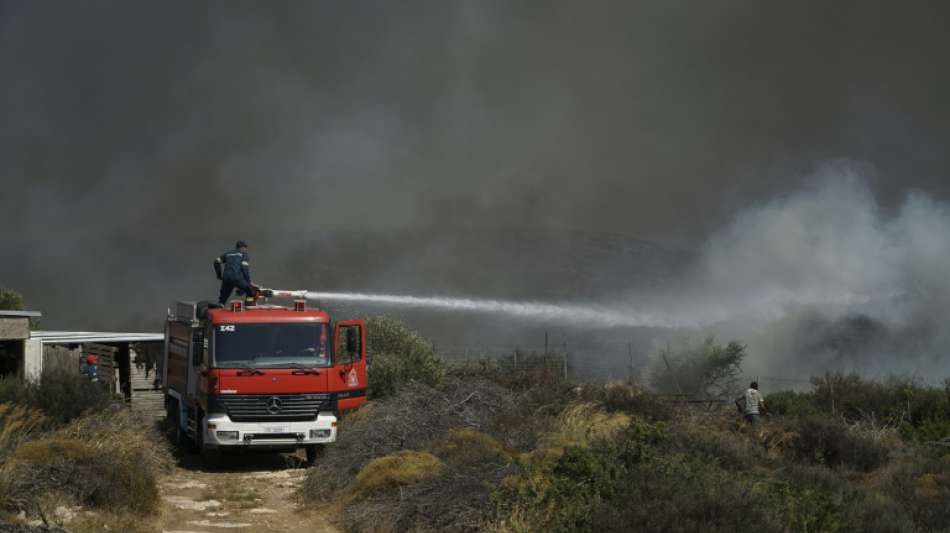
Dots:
pixel 79 337
pixel 20 314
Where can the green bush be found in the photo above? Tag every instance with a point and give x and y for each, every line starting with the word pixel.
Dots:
pixel 399 355
pixel 791 403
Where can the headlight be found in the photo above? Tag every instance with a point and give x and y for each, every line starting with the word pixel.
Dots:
pixel 227 435
pixel 320 433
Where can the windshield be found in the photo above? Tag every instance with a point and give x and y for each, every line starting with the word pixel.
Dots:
pixel 270 345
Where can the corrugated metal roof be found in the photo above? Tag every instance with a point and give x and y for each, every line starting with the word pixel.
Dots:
pixel 62 337
pixel 19 314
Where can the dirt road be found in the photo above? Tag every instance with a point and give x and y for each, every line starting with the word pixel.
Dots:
pixel 248 493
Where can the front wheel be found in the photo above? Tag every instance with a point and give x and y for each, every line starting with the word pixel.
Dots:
pixel 313 452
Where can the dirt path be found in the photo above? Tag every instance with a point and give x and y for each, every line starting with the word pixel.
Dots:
pixel 245 493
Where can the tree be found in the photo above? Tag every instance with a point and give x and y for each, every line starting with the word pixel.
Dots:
pixel 10 300
pixel 709 370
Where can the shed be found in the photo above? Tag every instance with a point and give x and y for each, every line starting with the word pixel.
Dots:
pixel 14 333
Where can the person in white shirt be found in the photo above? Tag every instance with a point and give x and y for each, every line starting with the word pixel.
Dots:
pixel 751 404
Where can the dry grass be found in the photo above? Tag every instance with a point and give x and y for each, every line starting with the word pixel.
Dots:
pixel 470 447
pixel 390 471
pixel 582 423
pixel 18 423
pixel 107 461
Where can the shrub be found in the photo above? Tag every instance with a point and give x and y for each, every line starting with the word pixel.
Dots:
pixel 894 400
pixel 563 492
pixel 448 489
pixel 714 445
pixel 791 403
pixel 62 396
pixel 831 443
pixel 400 468
pixel 399 355
pixel 417 417
pixel 921 485
pixel 470 447
pixel 681 494
pixel 630 399
pixel 108 461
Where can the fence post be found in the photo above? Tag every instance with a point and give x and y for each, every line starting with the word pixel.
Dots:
pixel 565 366
pixel 545 343
pixel 630 353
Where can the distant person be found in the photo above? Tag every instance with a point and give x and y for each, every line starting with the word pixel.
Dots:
pixel 234 270
pixel 751 404
pixel 92 367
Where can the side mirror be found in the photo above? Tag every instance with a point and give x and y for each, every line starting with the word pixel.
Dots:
pixel 353 341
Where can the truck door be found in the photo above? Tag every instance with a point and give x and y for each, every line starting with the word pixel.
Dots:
pixel 195 359
pixel 348 377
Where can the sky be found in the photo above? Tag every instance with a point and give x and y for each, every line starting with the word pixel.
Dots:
pixel 139 139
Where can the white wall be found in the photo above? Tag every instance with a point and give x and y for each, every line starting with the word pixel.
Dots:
pixel 33 360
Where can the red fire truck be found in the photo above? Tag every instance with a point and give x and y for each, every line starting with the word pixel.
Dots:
pixel 261 377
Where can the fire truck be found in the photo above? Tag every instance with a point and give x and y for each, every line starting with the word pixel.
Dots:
pixel 260 377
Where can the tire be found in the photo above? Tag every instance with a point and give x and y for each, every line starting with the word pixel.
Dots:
pixel 173 419
pixel 199 442
pixel 314 451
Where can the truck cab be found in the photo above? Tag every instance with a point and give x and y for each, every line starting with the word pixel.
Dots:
pixel 261 377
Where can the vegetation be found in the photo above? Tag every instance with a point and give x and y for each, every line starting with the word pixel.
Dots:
pixel 399 355
pixel 62 442
pixel 481 449
pixel 10 300
pixel 709 370
pixel 59 396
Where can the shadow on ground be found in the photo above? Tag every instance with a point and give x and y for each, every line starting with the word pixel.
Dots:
pixel 232 461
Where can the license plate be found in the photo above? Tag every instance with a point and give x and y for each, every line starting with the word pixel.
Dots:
pixel 275 429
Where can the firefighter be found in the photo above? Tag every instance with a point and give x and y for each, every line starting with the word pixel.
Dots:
pixel 92 367
pixel 751 404
pixel 234 271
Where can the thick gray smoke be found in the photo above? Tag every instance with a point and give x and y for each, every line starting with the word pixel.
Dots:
pixel 495 150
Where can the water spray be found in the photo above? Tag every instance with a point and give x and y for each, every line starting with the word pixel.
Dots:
pixel 575 313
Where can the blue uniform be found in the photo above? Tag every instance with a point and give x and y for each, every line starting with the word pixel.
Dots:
pixel 234 270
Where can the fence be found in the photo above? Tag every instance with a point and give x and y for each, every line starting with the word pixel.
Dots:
pixel 603 362
pixel 579 362
pixel 62 359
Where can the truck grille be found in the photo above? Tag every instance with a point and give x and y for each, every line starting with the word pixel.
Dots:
pixel 271 407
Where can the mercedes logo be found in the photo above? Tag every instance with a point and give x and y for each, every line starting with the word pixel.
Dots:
pixel 273 405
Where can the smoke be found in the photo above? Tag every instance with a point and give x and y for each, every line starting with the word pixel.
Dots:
pixel 552 152
pixel 827 278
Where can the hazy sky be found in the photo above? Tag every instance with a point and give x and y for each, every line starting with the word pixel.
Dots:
pixel 129 127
